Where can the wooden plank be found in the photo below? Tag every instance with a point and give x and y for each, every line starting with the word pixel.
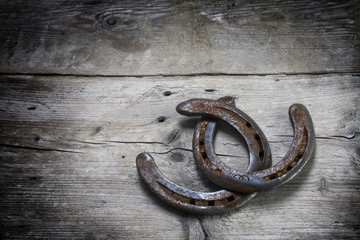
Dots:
pixel 179 37
pixel 68 148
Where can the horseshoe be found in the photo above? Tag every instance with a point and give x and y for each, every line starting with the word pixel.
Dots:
pixel 251 181
pixel 259 149
pixel 192 201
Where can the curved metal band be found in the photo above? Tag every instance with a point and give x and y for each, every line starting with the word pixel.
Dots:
pixel 185 199
pixel 259 149
pixel 299 153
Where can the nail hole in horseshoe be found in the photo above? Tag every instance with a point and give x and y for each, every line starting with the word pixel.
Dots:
pixel 202 142
pixel 211 203
pixel 192 201
pixel 261 149
pixel 257 137
pixel 207 161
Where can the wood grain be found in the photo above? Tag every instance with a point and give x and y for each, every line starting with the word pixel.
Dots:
pixel 179 37
pixel 87 85
pixel 68 148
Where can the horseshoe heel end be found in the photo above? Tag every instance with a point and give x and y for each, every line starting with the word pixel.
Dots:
pixel 144 161
pixel 195 106
pixel 300 151
pixel 297 107
pixel 188 108
pixel 143 158
pixel 147 169
pixel 303 125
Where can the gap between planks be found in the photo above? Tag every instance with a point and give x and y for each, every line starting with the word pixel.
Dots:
pixel 178 75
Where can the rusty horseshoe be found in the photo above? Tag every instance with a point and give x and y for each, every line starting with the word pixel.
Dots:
pixel 251 180
pixel 224 108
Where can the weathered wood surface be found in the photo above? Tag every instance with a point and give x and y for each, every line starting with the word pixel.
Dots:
pixel 68 143
pixel 68 148
pixel 179 37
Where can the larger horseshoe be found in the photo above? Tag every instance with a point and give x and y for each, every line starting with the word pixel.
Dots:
pixel 251 181
pixel 192 201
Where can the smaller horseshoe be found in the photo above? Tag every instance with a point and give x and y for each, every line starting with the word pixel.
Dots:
pixel 299 153
pixel 184 199
pixel 259 149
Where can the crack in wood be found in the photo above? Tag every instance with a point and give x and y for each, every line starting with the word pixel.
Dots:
pixel 38 149
pixel 135 142
pixel 352 136
pixel 206 235
pixel 190 150
pixel 200 74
